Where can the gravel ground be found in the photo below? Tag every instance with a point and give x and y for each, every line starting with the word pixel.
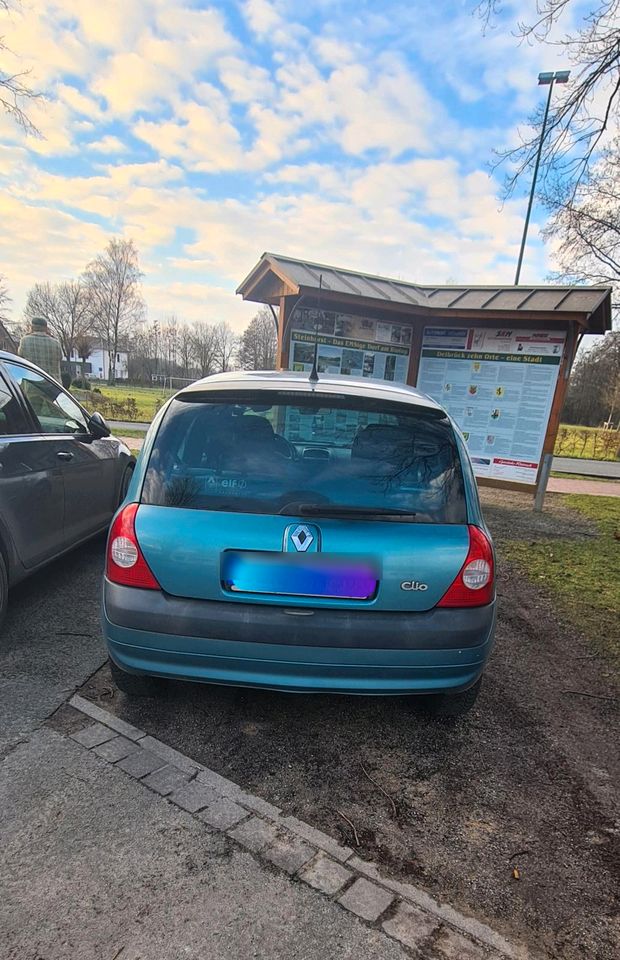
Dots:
pixel 510 815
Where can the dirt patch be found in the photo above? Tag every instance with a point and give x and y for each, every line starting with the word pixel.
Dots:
pixel 526 783
pixel 510 516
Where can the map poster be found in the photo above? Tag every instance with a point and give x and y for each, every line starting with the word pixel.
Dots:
pixel 350 345
pixel 498 385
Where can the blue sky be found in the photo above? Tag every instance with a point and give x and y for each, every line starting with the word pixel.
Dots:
pixel 355 133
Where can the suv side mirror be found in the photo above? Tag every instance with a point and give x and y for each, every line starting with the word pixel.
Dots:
pixel 98 427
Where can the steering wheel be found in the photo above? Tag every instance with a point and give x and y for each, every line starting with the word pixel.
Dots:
pixel 286 450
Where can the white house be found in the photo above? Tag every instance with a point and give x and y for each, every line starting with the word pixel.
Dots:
pixel 97 366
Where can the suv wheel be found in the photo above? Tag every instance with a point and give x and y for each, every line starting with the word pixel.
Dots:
pixel 4 590
pixel 125 483
pixel 134 684
pixel 451 705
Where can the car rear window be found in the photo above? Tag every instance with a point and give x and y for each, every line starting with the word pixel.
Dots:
pixel 306 455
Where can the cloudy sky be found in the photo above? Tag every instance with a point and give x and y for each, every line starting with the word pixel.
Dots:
pixel 353 132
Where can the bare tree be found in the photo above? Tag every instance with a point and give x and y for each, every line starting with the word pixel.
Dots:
pixel 84 347
pixel 113 283
pixel 594 384
pixel 5 300
pixel 65 306
pixel 586 226
pixel 204 348
pixel 258 345
pixel 14 89
pixel 584 110
pixel 225 345
pixel 186 350
pixel 170 342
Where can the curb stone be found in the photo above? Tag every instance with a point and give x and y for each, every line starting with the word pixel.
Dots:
pixel 404 912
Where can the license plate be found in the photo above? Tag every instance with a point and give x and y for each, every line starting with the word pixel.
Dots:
pixel 331 576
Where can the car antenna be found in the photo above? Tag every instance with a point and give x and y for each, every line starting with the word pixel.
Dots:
pixel 314 375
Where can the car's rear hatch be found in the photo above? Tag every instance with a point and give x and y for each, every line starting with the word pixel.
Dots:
pixel 320 501
pixel 241 557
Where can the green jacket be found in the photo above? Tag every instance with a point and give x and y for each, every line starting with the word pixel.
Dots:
pixel 43 350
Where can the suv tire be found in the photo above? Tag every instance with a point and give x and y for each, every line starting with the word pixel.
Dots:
pixel 448 706
pixel 4 589
pixel 126 480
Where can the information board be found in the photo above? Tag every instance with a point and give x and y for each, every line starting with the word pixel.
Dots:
pixel 350 345
pixel 498 386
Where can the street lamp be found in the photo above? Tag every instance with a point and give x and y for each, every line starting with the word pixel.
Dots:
pixel 544 79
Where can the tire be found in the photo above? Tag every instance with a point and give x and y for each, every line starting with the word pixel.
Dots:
pixel 4 590
pixel 125 483
pixel 134 684
pixel 449 706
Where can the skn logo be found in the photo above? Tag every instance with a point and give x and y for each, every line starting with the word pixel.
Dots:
pixel 413 585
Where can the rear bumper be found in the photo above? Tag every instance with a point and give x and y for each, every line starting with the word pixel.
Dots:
pixel 264 646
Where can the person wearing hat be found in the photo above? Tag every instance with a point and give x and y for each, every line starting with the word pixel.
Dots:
pixel 40 347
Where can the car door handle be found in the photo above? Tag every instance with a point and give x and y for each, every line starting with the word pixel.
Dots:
pixel 64 455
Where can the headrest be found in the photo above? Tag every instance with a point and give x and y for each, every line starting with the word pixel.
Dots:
pixel 252 427
pixel 381 441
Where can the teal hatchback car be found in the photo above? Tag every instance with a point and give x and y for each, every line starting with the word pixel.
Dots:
pixel 302 536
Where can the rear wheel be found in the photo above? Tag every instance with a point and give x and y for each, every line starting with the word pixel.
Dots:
pixel 125 483
pixel 135 684
pixel 450 705
pixel 4 590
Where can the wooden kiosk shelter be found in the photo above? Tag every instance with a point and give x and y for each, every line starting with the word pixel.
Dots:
pixel 498 358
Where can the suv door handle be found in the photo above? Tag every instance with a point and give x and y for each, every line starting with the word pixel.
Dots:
pixel 64 455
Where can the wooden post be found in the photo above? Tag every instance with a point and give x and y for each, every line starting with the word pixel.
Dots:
pixel 570 350
pixel 543 479
pixel 284 333
pixel 415 349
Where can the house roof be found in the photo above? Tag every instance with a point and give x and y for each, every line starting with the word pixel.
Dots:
pixel 275 276
pixel 6 337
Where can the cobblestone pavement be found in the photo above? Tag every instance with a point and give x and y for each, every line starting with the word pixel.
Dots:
pixel 402 911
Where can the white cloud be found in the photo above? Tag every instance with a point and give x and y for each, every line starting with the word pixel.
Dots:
pixel 79 102
pixel 245 82
pixel 187 42
pixel 203 136
pixel 328 145
pixel 262 16
pixel 107 144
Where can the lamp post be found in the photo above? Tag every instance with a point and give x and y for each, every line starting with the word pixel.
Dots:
pixel 544 79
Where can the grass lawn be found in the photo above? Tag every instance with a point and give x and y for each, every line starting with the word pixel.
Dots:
pixel 582 574
pixel 588 443
pixel 137 434
pixel 146 398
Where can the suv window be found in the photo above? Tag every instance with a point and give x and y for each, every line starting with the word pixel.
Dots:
pixel 54 409
pixel 264 455
pixel 11 419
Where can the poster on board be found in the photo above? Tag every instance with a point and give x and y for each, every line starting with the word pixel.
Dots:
pixel 350 345
pixel 498 385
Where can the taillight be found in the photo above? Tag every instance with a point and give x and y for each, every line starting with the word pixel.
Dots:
pixel 474 586
pixel 125 563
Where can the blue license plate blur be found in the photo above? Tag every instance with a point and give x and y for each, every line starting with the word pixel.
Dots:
pixel 330 576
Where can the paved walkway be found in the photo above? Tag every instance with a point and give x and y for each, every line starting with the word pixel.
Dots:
pixel 594 488
pixel 96 863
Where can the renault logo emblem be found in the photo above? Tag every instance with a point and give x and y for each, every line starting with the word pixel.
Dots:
pixel 302 537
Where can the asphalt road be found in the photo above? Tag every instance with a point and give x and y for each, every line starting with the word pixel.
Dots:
pixel 50 642
pixel 526 782
pixel 607 469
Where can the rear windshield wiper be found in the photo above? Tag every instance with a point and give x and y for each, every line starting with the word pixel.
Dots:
pixel 341 511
